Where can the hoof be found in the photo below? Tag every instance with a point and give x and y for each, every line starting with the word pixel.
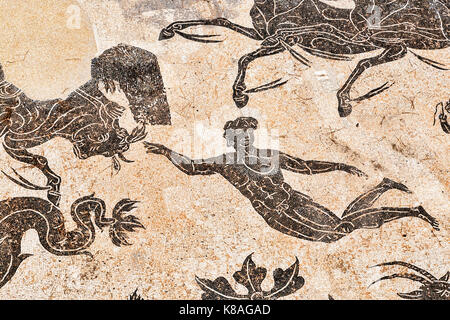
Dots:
pixel 166 34
pixel 241 101
pixel 345 111
pixel 344 106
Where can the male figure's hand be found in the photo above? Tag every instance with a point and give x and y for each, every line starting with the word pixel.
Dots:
pixel 155 148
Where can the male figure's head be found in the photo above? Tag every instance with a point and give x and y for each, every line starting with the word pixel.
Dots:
pixel 239 133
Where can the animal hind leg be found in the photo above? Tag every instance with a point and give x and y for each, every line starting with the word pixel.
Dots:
pixel 388 55
pixel 240 96
pixel 175 27
pixel 40 162
pixel 366 200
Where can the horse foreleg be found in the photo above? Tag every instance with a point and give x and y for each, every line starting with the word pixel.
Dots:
pixel 40 162
pixel 175 27
pixel 239 88
pixel 388 55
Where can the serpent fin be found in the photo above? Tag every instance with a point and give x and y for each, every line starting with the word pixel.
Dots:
pixel 11 258
pixel 123 224
pixel 24 182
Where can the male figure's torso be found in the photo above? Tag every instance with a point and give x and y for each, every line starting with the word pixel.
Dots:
pixel 258 178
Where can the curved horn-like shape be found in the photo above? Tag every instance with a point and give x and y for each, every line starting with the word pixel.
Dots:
pixel 199 37
pixel 440 104
pixel 122 157
pixel 295 54
pixel 409 276
pixel 445 277
pixel 115 165
pixel 425 273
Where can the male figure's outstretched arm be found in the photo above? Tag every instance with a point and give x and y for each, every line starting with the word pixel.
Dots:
pixel 183 163
pixel 298 165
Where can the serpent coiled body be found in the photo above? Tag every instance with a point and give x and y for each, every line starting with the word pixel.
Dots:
pixel 18 215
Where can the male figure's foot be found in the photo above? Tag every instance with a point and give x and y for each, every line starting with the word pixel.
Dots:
pixel 395 185
pixel 422 214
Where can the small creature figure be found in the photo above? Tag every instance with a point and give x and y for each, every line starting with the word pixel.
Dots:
pixel 431 289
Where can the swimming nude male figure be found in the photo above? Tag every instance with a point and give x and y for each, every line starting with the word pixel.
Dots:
pixel 257 175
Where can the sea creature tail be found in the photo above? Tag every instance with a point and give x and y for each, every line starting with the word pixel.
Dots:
pixel 10 258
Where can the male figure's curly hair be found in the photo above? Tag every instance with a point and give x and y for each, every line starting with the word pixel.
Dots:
pixel 242 123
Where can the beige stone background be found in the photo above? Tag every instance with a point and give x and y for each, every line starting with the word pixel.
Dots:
pixel 202 225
